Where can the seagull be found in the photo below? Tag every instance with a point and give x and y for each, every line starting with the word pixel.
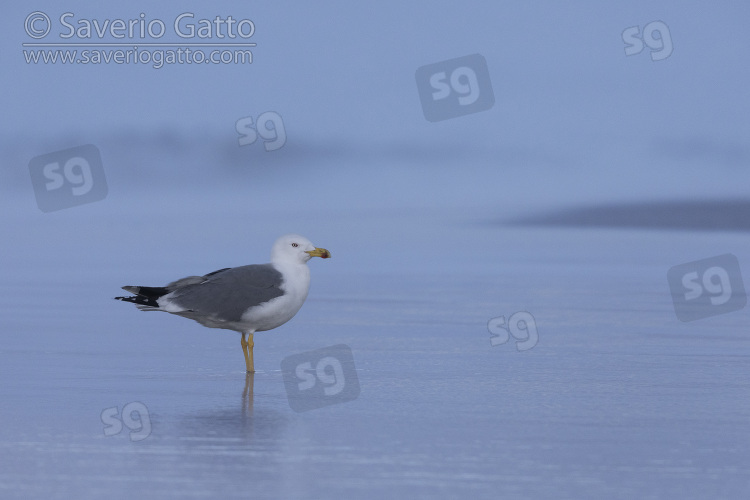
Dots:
pixel 246 299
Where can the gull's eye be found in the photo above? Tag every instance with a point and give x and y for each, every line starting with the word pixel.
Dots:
pixel 295 245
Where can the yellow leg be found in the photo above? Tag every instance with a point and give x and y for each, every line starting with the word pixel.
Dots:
pixel 247 349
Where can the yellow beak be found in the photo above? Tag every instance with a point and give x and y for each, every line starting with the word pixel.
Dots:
pixel 320 252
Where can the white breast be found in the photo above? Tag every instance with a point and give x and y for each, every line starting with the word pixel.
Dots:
pixel 279 310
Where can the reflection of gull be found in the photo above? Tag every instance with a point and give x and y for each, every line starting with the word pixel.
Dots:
pixel 245 299
pixel 247 393
pixel 227 429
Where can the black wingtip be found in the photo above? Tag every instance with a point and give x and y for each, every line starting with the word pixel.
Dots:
pixel 145 295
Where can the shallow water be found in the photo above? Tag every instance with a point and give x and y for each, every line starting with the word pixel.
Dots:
pixel 617 399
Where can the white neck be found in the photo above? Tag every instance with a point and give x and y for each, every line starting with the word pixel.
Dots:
pixel 296 277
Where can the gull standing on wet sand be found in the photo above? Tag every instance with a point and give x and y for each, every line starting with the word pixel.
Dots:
pixel 245 299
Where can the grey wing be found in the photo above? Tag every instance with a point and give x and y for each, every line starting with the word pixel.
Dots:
pixel 192 280
pixel 227 294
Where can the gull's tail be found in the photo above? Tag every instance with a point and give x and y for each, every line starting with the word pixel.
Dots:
pixel 145 297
